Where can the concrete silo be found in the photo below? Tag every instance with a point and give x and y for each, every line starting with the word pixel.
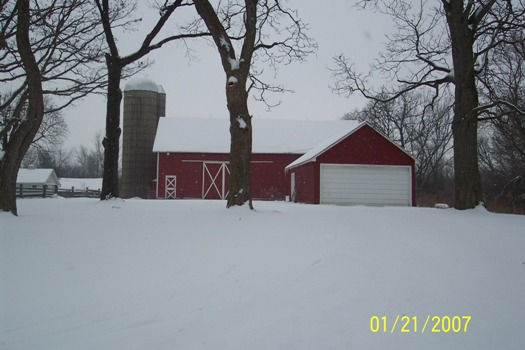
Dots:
pixel 144 104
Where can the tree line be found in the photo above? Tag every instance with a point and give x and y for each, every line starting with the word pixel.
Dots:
pixel 80 162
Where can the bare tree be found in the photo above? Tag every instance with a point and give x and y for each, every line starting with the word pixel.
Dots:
pixel 87 163
pixel 505 81
pixel 245 32
pixel 436 46
pixel 502 152
pixel 51 133
pixel 422 132
pixel 47 141
pixel 39 158
pixel 55 59
pixel 82 161
pixel 116 63
pixel 98 154
pixel 35 111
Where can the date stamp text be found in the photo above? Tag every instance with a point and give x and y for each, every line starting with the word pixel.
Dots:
pixel 414 324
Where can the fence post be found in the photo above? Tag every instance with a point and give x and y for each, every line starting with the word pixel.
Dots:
pixel 44 191
pixel 56 189
pixel 21 190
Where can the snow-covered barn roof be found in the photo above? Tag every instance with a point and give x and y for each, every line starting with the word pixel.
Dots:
pixel 37 176
pixel 201 135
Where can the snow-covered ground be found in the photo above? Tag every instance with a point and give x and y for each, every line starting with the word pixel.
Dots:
pixel 152 275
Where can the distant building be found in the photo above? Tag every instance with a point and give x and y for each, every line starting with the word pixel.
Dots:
pixel 32 181
pixel 144 104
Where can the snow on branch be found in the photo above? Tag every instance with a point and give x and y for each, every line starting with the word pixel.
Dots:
pixel 486 108
pixel 479 12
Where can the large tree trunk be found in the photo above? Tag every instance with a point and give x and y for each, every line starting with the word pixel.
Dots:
pixel 111 140
pixel 22 137
pixel 467 182
pixel 240 147
pixel 8 173
pixel 237 69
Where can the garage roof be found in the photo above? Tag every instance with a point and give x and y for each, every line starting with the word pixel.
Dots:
pixel 209 135
pixel 329 142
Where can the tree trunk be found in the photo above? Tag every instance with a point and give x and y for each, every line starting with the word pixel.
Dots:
pixel 240 147
pixel 8 173
pixel 237 69
pixel 111 140
pixel 467 182
pixel 22 137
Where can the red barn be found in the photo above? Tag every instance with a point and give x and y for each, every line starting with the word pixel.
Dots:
pixel 337 162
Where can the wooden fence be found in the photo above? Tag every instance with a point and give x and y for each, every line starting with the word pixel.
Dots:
pixel 78 192
pixel 50 191
pixel 41 191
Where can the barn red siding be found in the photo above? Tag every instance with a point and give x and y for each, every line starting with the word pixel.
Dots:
pixel 188 169
pixel 269 180
pixel 364 146
pixel 305 184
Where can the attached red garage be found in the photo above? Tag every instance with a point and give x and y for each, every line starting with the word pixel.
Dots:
pixel 309 161
pixel 360 166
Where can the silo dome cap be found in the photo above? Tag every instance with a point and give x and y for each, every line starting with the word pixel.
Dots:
pixel 143 84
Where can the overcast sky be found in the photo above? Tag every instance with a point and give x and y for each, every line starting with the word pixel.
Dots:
pixel 196 88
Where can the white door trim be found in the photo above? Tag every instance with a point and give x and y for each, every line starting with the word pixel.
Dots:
pixel 292 187
pixel 400 196
pixel 219 175
pixel 170 187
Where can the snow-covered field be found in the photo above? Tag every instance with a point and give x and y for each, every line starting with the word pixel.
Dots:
pixel 152 275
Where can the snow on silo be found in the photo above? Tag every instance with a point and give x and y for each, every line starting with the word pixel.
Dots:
pixel 144 104
pixel 143 84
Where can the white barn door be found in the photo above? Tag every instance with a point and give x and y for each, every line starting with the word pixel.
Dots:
pixel 215 180
pixel 345 184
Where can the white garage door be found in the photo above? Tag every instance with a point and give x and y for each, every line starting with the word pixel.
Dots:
pixel 366 184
